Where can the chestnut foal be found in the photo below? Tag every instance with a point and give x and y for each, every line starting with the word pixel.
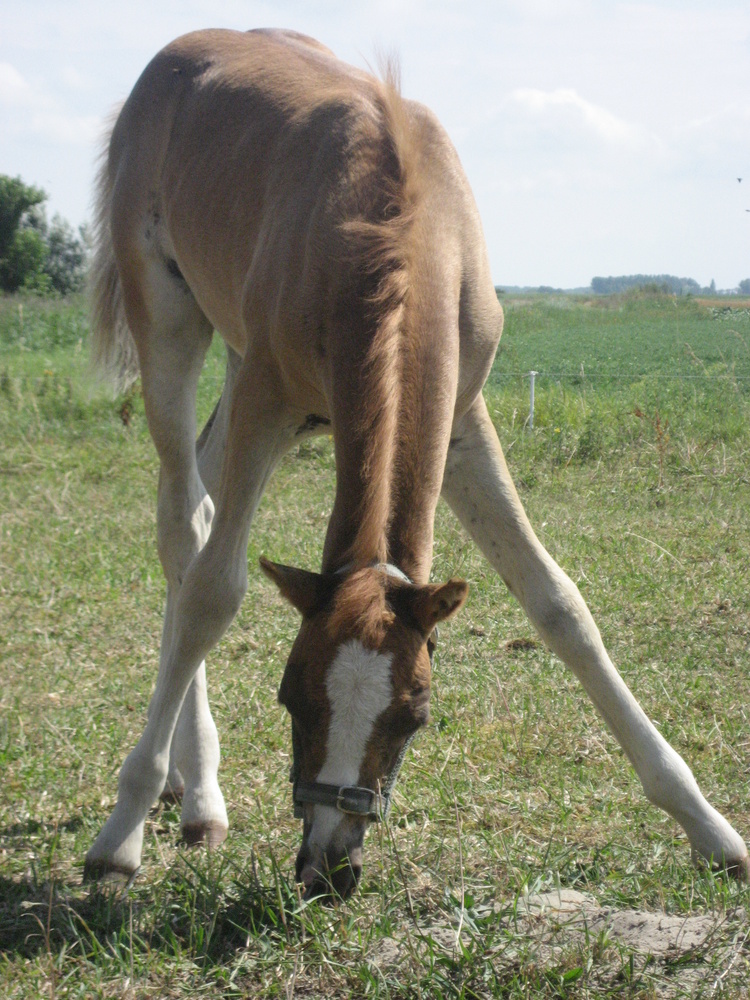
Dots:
pixel 257 186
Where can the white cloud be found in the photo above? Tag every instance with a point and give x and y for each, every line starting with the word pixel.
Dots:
pixel 15 92
pixel 564 105
pixel 60 127
pixel 598 137
pixel 29 110
pixel 73 79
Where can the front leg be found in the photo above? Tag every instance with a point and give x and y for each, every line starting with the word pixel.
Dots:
pixel 478 487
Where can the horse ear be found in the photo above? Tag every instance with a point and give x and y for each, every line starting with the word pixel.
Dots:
pixel 436 602
pixel 306 591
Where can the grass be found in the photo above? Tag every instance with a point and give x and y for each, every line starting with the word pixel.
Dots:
pixel 514 788
pixel 638 333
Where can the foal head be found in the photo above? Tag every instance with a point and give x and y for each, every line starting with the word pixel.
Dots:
pixel 357 685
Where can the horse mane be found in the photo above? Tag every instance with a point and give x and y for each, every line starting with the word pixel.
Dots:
pixel 379 244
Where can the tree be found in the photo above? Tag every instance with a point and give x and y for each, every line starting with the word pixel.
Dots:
pixel 18 252
pixel 24 260
pixel 16 198
pixel 33 252
pixel 666 283
pixel 66 256
pixel 744 287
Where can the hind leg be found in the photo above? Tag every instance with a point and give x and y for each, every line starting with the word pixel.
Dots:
pixel 172 337
pixel 478 487
pixel 195 742
pixel 211 587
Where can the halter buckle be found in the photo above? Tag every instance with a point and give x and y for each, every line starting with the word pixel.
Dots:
pixel 350 800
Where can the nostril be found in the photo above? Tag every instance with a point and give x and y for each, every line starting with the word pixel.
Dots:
pixel 299 867
pixel 308 876
pixel 310 872
pixel 355 862
pixel 338 883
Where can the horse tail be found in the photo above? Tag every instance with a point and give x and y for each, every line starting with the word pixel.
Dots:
pixel 112 349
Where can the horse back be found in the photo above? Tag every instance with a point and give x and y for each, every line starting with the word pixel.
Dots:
pixel 283 186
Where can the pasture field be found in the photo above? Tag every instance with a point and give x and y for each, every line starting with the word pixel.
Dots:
pixel 636 481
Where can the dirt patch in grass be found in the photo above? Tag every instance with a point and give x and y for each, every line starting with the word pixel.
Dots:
pixel 568 934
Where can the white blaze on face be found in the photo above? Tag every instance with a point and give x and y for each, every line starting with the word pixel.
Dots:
pixel 359 688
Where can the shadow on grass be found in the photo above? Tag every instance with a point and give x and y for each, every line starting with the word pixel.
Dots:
pixel 196 910
pixel 32 827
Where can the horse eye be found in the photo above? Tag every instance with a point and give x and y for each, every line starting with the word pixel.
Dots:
pixel 403 723
pixel 289 696
pixel 413 714
pixel 432 643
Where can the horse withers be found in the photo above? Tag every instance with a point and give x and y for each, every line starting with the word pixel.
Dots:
pixel 255 185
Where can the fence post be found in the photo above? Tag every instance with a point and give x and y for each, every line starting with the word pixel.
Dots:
pixel 532 376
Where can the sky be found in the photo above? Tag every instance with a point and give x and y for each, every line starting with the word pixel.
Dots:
pixel 600 138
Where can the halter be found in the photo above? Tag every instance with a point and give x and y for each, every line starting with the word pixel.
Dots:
pixel 354 800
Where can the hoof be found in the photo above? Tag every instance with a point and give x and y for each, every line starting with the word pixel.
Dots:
pixel 736 868
pixel 211 834
pixel 105 873
pixel 739 869
pixel 172 796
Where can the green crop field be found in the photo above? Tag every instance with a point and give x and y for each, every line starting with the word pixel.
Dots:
pixel 637 482
pixel 626 336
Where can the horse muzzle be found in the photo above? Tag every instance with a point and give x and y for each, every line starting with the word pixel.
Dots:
pixel 331 875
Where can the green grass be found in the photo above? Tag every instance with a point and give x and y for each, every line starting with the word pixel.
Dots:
pixel 625 336
pixel 514 787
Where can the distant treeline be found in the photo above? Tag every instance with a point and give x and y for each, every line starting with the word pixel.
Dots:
pixel 664 282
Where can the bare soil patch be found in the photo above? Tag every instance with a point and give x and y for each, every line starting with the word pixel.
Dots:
pixel 664 955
